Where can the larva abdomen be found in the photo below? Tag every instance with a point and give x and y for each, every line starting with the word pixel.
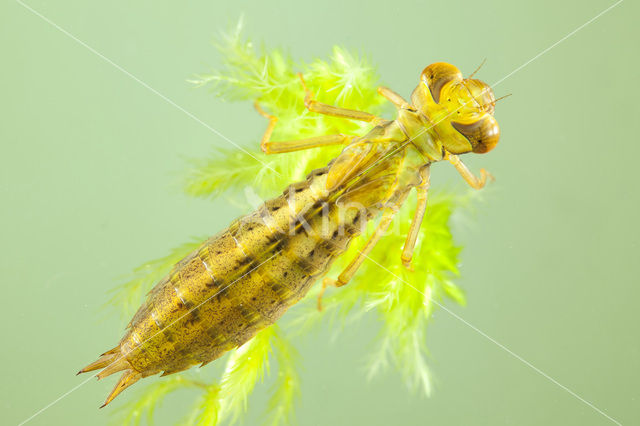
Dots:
pixel 235 284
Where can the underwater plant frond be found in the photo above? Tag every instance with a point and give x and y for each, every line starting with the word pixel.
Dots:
pixel 223 171
pixel 405 310
pixel 286 389
pixel 246 367
pixel 207 409
pixel 347 80
pixel 133 413
pixel 246 73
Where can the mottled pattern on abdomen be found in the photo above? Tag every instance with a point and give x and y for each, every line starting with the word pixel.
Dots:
pixel 241 280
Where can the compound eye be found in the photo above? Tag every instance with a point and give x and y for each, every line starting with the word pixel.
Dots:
pixel 483 135
pixel 437 75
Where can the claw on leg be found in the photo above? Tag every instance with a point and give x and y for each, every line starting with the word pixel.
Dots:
pixel 408 265
pixel 486 176
pixel 470 178
pixel 269 130
pixel 308 94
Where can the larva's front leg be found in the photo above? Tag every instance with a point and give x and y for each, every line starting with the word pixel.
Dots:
pixel 393 97
pixel 473 181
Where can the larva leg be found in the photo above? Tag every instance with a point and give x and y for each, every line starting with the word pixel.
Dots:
pixel 300 144
pixel 393 97
pixel 421 207
pixel 271 147
pixel 351 114
pixel 470 178
pixel 352 268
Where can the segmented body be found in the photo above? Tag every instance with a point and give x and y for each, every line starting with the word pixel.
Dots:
pixel 241 280
pixel 246 277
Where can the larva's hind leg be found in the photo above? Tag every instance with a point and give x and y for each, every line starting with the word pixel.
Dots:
pixel 271 147
pixel 352 268
pixel 351 114
pixel 421 206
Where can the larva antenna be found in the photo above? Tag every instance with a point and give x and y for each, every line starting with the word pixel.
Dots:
pixel 499 99
pixel 502 97
pixel 478 69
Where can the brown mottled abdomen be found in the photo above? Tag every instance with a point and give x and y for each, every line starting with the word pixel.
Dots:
pixel 240 281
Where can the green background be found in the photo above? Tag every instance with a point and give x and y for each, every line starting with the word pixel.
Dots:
pixel 90 167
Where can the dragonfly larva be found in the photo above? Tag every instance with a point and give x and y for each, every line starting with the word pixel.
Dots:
pixel 246 277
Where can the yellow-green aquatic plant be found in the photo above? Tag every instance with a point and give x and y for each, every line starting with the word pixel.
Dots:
pixel 404 311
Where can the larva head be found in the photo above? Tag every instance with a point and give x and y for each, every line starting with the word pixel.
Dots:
pixel 460 110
